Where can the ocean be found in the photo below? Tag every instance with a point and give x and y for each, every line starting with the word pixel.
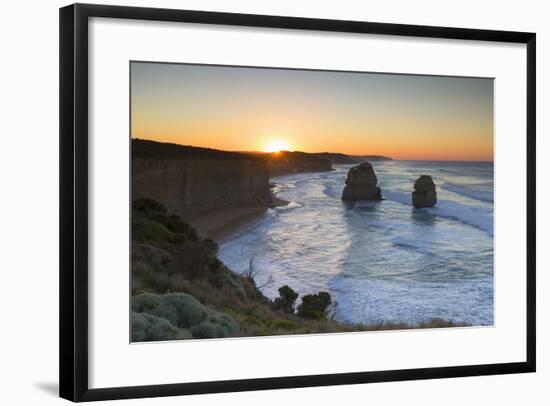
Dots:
pixel 380 261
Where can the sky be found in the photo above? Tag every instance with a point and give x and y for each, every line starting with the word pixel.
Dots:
pixel 262 109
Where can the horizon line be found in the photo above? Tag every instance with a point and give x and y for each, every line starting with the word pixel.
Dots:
pixel 322 152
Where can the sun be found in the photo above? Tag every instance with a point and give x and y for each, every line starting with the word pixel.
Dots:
pixel 276 145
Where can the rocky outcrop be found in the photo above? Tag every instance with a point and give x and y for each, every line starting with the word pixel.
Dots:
pixel 361 184
pixel 424 194
pixel 190 181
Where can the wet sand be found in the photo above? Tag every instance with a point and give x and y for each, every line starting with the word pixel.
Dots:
pixel 218 224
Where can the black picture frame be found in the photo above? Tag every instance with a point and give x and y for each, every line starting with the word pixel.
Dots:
pixel 73 197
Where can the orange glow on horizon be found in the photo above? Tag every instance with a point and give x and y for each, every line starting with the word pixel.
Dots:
pixel 276 145
pixel 247 109
pixel 430 149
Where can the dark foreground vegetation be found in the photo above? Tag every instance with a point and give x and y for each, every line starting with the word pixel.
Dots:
pixel 181 290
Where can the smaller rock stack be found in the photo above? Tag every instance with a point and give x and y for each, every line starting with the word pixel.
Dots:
pixel 424 194
pixel 361 184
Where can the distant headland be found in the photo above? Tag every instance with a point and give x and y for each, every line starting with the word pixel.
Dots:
pixel 339 158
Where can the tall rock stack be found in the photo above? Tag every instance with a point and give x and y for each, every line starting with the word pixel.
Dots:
pixel 361 184
pixel 424 194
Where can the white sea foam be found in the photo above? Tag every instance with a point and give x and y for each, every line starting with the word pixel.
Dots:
pixel 393 301
pixel 472 215
pixel 480 217
pixel 474 192
pixel 290 205
pixel 384 260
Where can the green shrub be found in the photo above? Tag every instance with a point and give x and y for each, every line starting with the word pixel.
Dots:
pixel 150 255
pixel 283 324
pixel 253 321
pixel 185 312
pixel 150 231
pixel 147 327
pixel 314 307
pixel 180 309
pixel 174 224
pixel 286 299
pixel 142 274
pixel 217 325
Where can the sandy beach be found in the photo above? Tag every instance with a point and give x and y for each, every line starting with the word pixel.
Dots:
pixel 217 224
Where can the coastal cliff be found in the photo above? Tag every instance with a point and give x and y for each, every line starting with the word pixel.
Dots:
pixel 191 181
pixel 286 162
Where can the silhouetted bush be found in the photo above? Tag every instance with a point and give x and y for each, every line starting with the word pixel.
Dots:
pixel 146 230
pixel 286 299
pixel 215 264
pixel 174 224
pixel 213 245
pixel 148 206
pixel 314 307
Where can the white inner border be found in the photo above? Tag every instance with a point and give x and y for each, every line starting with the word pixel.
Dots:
pixel 114 362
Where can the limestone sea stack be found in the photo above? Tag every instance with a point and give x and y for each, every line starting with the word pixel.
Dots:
pixel 361 184
pixel 424 194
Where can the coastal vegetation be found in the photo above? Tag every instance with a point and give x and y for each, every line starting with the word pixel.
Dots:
pixel 181 290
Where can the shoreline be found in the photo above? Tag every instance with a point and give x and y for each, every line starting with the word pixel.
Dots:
pixel 218 224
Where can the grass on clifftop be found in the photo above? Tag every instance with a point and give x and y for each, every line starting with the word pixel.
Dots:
pixel 180 289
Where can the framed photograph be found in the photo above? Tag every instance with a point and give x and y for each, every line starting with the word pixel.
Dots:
pixel 257 202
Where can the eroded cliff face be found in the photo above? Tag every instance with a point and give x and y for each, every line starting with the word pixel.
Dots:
pixel 190 181
pixel 188 186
